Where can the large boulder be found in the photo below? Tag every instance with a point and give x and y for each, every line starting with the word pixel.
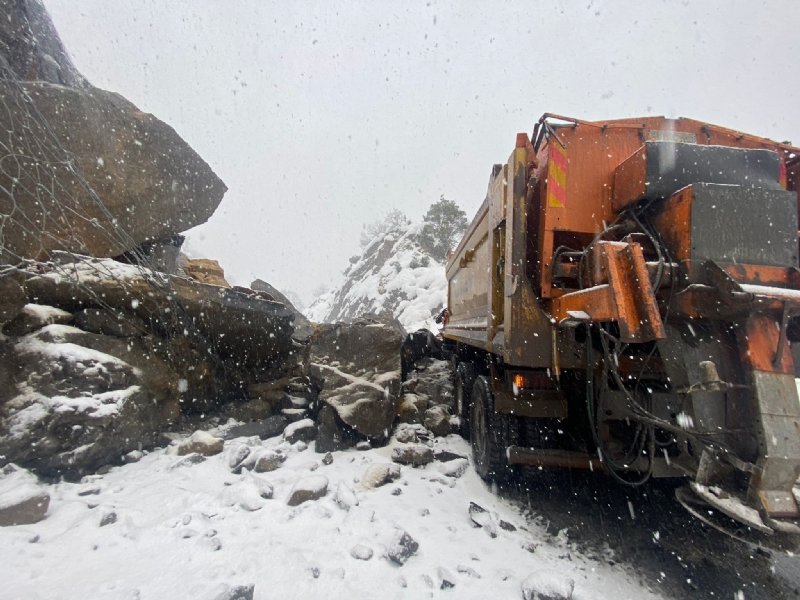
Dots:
pixel 359 363
pixel 81 400
pixel 235 322
pixel 122 176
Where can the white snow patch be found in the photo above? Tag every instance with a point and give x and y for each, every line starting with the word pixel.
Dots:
pixel 179 534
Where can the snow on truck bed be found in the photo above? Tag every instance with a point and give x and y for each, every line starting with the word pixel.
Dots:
pixel 172 527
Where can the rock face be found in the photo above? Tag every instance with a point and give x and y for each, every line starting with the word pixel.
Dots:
pixel 114 194
pixel 393 275
pixel 359 363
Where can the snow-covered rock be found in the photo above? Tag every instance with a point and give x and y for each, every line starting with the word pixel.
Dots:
pixel 437 420
pixel 415 455
pixel 393 274
pixel 379 474
pixel 36 316
pixel 401 547
pixel 359 365
pixel 304 430
pixel 454 468
pixel 361 552
pixel 22 499
pixel 82 400
pixel 200 442
pixel 234 592
pixel 547 585
pixel 268 460
pixel 345 497
pixel 308 488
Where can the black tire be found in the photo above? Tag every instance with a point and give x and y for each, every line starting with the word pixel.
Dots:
pixel 491 434
pixel 464 380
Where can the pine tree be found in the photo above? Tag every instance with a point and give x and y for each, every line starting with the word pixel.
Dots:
pixel 444 224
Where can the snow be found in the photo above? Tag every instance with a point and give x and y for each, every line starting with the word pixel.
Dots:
pixel 45 314
pixel 17 486
pixel 85 269
pixel 185 529
pixel 49 342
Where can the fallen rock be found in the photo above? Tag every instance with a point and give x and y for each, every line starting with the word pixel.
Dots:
pixel 415 455
pixel 308 488
pixel 406 434
pixel 546 585
pixel 23 500
pixel 359 365
pixel 361 552
pixel 133 456
pixel 454 468
pixel 266 428
pixel 408 411
pixel 262 487
pixel 248 493
pixel 332 433
pixel 345 497
pixel 237 457
pixel 446 579
pixel 401 547
pixel 201 442
pixel 434 380
pixel 468 571
pixel 304 430
pixel 379 474
pixel 268 461
pixel 235 592
pixel 35 316
pixel 108 518
pixel 437 420
pixel 327 459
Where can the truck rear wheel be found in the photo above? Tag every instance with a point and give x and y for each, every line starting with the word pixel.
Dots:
pixel 465 379
pixel 491 434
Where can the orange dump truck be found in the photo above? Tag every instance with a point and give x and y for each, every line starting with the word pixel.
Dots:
pixel 626 300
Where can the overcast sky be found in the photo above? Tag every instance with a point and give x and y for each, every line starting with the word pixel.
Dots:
pixel 321 116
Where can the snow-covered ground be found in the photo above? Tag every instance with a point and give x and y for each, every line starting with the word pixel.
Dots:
pixel 166 528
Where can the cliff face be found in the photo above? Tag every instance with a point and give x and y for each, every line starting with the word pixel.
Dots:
pixel 85 170
pixel 393 274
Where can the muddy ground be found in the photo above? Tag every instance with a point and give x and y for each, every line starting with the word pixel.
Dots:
pixel 645 528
